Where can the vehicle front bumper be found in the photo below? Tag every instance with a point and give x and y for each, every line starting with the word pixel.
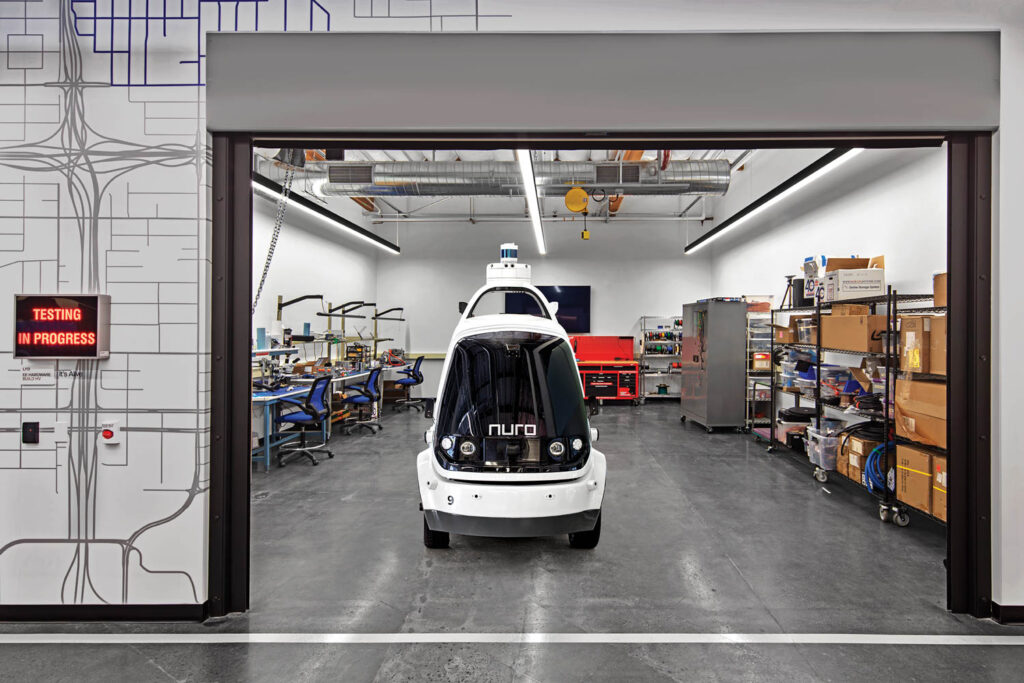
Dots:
pixel 510 509
pixel 511 527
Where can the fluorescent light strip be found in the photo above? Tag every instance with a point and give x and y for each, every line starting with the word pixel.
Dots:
pixel 525 158
pixel 276 196
pixel 779 197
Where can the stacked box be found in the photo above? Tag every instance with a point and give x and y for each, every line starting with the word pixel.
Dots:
pixel 843 464
pixel 914 477
pixel 853 332
pixel 940 289
pixel 921 411
pixel 937 346
pixel 939 479
pixel 915 343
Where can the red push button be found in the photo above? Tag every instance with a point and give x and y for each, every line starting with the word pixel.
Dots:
pixel 107 433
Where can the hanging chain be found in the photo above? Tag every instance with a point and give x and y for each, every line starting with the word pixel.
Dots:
pixel 282 205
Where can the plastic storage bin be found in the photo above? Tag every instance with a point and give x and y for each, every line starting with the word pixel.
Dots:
pixel 822 449
pixel 806 386
pixel 806 331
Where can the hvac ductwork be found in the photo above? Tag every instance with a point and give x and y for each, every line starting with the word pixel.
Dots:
pixel 502 178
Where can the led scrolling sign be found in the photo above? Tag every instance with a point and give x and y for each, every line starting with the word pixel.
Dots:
pixel 61 326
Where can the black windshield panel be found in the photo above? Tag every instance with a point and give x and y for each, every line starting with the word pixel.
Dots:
pixel 512 394
pixel 509 300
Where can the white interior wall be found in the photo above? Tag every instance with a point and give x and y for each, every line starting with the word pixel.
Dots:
pixel 622 290
pixel 311 258
pixel 893 204
pixel 896 208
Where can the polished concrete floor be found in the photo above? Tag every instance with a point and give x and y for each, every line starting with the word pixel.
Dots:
pixel 701 534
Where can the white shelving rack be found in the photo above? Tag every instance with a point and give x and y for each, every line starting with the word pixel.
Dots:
pixel 660 338
pixel 758 390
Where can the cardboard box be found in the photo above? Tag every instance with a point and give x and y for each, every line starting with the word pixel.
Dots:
pixel 939 478
pixel 859 449
pixel 851 309
pixel 915 343
pixel 854 278
pixel 940 289
pixel 921 411
pixel 854 284
pixel 855 451
pixel 784 334
pixel 833 264
pixel 862 378
pixel 855 473
pixel 843 464
pixel 937 346
pixel 852 332
pixel 914 477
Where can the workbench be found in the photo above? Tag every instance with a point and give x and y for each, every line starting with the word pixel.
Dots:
pixel 271 401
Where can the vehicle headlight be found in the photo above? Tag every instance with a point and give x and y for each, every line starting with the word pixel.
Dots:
pixel 577 444
pixel 467 448
pixel 447 443
pixel 556 449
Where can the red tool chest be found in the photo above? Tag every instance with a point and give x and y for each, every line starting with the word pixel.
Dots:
pixel 606 367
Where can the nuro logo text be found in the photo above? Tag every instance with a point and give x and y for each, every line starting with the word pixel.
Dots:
pixel 511 430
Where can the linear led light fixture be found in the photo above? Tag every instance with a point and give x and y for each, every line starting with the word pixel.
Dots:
pixel 267 187
pixel 525 158
pixel 805 177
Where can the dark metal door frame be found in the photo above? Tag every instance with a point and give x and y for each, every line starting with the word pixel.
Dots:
pixel 230 381
pixel 969 367
pixel 969 264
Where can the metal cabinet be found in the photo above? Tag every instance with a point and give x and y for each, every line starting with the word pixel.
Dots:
pixel 713 363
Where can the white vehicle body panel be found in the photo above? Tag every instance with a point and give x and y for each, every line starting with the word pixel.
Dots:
pixel 508 503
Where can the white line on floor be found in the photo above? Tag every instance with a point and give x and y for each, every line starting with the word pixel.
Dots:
pixel 503 638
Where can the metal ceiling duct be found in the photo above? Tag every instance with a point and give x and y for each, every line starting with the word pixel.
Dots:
pixel 502 178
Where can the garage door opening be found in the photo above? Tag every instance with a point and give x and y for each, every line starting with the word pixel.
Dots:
pixel 649 252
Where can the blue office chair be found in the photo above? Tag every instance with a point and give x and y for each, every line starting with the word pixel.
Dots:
pixel 311 413
pixel 413 377
pixel 367 393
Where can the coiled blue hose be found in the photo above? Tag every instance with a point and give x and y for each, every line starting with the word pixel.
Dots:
pixel 874 472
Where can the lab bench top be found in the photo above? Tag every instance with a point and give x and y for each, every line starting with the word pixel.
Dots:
pixel 300 385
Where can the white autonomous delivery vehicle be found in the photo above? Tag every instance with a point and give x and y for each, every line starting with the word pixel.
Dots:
pixel 511 448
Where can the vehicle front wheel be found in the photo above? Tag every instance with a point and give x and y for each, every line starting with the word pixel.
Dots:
pixel 586 540
pixel 434 539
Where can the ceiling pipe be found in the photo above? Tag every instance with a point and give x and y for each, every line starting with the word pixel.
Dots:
pixel 503 179
pixel 615 202
pixel 564 218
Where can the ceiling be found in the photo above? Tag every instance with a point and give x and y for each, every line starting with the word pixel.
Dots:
pixel 310 168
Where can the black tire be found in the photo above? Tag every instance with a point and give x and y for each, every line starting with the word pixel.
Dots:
pixel 586 540
pixel 434 539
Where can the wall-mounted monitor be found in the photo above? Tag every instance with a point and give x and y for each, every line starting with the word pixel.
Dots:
pixel 61 326
pixel 573 305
